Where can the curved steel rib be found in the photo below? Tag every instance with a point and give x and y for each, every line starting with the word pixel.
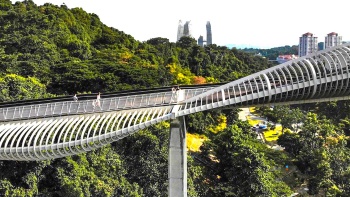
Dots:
pixel 322 76
pixel 319 77
pixel 56 137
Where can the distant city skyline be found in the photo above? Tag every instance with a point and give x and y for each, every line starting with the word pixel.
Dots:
pixel 184 29
pixel 209 39
pixel 252 23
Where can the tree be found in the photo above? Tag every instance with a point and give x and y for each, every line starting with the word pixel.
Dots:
pixel 186 42
pixel 344 125
pixel 20 178
pixel 289 118
pixel 239 169
pixel 97 173
pixel 290 142
pixel 146 155
pixel 14 87
pixel 320 153
pixel 198 80
pixel 335 110
pixel 50 50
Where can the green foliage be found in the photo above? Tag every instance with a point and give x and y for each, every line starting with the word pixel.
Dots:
pixel 289 118
pixel 273 53
pixel 239 168
pixel 14 87
pixel 97 173
pixel 321 153
pixel 290 141
pixel 20 178
pixel 52 50
pixel 69 48
pixel 335 110
pixel 146 159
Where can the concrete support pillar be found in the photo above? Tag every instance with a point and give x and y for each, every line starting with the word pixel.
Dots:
pixel 177 159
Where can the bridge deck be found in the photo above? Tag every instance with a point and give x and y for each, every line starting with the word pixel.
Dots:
pixel 65 108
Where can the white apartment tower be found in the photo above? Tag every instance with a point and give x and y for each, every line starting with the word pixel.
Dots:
pixel 307 44
pixel 332 39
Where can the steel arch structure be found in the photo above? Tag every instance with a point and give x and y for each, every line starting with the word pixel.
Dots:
pixel 319 77
pixel 57 137
pixel 322 76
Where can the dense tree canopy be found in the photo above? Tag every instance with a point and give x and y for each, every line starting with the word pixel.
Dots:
pixel 50 50
pixel 320 152
pixel 70 50
pixel 239 166
pixel 273 53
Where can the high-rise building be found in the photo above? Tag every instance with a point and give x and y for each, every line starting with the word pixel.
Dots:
pixel 184 30
pixel 201 41
pixel 180 30
pixel 332 39
pixel 187 29
pixel 307 44
pixel 209 36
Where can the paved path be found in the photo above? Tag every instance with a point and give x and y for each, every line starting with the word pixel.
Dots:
pixel 242 115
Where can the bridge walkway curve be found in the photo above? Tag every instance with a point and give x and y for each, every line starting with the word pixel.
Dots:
pixel 57 129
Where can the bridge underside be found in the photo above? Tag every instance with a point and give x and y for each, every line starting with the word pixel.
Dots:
pixel 57 137
pixel 320 77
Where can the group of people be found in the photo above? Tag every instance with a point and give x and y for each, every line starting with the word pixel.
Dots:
pixel 95 103
pixel 174 91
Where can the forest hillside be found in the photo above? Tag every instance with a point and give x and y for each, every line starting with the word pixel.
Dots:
pixel 51 50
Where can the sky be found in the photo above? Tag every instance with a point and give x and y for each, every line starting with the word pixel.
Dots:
pixel 249 23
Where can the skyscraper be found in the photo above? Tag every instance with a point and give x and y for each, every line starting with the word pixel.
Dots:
pixel 180 30
pixel 209 36
pixel 332 39
pixel 307 44
pixel 201 41
pixel 184 30
pixel 187 29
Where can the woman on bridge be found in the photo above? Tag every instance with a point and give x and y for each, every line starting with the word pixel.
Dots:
pixel 97 101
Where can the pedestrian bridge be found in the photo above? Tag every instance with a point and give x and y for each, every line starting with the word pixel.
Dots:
pixel 54 128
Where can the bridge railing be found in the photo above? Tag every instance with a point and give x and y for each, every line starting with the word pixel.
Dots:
pixel 83 107
pixel 91 106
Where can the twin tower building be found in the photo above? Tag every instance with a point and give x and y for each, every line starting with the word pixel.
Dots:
pixel 185 30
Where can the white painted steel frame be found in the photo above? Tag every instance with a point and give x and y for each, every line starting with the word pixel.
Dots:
pixel 165 98
pixel 319 77
pixel 57 137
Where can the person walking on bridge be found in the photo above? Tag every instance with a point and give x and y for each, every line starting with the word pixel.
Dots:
pixel 75 98
pixel 173 95
pixel 97 102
